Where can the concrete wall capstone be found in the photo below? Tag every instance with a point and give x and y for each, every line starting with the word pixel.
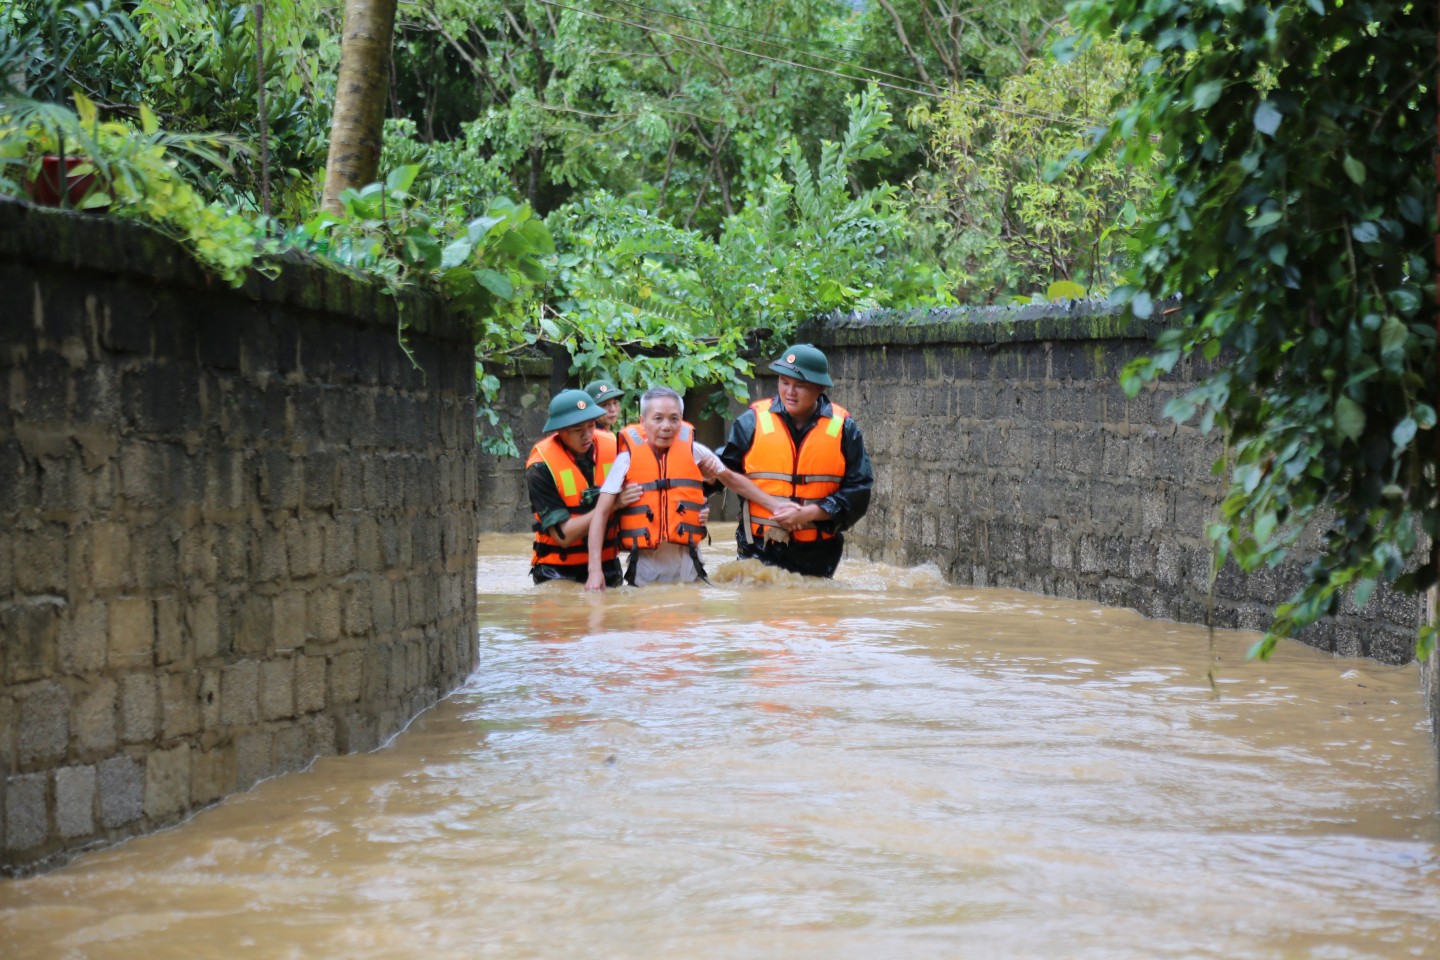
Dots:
pixel 236 529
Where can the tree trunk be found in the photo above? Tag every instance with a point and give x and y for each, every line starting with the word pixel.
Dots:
pixel 360 97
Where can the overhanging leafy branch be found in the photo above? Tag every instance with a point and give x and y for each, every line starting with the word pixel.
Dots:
pixel 1298 226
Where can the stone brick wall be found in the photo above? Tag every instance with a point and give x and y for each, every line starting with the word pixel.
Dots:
pixel 236 530
pixel 1006 452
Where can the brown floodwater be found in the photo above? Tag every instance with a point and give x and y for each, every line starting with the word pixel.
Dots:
pixel 883 766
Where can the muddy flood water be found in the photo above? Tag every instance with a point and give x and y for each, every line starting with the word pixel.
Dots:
pixel 883 766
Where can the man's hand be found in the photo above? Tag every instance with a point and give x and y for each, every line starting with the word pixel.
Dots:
pixel 596 582
pixel 710 467
pixel 630 494
pixel 792 516
pixel 705 515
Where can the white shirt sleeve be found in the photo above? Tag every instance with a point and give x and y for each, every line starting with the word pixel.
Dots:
pixel 616 478
pixel 701 452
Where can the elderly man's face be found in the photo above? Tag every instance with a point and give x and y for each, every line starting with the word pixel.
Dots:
pixel 578 439
pixel 661 422
pixel 799 397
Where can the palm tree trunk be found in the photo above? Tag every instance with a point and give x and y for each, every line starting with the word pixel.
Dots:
pixel 360 97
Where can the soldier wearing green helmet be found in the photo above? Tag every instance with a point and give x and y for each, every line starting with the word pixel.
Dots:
pixel 801 447
pixel 563 475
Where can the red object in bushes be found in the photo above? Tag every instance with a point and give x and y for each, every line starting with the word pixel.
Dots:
pixel 45 189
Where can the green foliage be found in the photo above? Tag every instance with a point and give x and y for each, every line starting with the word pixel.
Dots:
pixel 193 63
pixel 483 265
pixel 650 302
pixel 1299 226
pixel 138 172
pixel 1021 216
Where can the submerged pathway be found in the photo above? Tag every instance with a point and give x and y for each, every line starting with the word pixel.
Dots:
pixel 883 766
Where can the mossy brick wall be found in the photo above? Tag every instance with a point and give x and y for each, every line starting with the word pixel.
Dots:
pixel 236 530
pixel 1006 452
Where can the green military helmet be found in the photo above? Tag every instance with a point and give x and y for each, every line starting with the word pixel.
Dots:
pixel 603 391
pixel 571 407
pixel 804 362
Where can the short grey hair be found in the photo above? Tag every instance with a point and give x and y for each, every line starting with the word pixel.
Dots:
pixel 656 393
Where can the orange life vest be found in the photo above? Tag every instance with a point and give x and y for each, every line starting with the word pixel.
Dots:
pixel 606 448
pixel 570 484
pixel 672 493
pixel 807 475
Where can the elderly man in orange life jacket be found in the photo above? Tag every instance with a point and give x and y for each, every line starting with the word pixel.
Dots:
pixel 673 474
pixel 563 475
pixel 807 451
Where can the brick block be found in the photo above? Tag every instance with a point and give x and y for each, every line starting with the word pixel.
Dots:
pixel 179 704
pixel 305 548
pixel 240 693
pixel 323 614
pixel 226 480
pixel 339 539
pixel 132 633
pixel 269 558
pixel 122 791
pixel 254 624
pixel 209 699
pixel 280 480
pixel 368 556
pixel 155 555
pixel 84 638
pixel 75 796
pixel 31 630
pixel 44 734
pixel 309 684
pixel 170 644
pixel 202 620
pixel 346 677
pixel 96 731
pixel 27 822
pixel 110 566
pixel 212 774
pixel 253 761
pixel 197 557
pixel 321 477
pixel 143 475
pixel 292 749
pixel 289 617
pixel 277 689
pixel 139 708
pixel 356 608
pixel 167 782
pixel 320 730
